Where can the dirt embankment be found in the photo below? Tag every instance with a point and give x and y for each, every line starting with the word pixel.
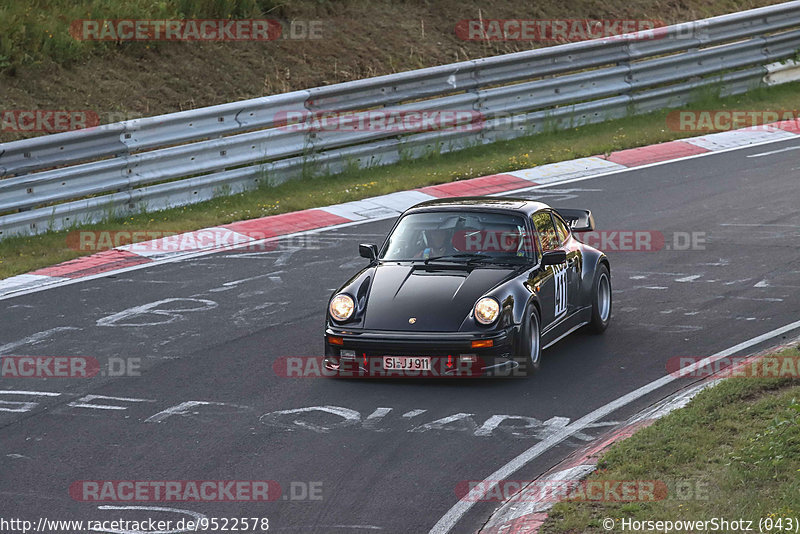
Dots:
pixel 359 38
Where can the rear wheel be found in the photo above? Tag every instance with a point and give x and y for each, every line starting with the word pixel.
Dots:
pixel 601 300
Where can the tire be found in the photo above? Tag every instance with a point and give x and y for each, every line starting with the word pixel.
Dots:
pixel 531 345
pixel 601 300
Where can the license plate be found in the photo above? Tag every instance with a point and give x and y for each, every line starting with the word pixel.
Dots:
pixel 406 363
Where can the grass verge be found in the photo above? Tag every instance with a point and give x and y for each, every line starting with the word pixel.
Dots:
pixel 24 253
pixel 733 453
pixel 32 32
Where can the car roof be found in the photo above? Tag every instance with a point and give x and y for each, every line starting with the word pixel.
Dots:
pixel 518 205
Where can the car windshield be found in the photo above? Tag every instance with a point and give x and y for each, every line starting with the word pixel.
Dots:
pixel 459 236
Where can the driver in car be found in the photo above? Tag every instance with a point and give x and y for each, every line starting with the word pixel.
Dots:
pixel 439 244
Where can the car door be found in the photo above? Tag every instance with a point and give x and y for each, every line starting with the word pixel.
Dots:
pixel 574 263
pixel 550 280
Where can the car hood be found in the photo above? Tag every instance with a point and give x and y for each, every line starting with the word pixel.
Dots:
pixel 439 299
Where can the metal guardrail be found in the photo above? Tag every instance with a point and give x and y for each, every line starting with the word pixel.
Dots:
pixel 59 180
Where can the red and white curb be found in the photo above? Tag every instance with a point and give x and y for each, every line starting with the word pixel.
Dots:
pixel 527 516
pixel 451 518
pixel 517 516
pixel 207 241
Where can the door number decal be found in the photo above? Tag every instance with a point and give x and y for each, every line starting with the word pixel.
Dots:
pixel 560 276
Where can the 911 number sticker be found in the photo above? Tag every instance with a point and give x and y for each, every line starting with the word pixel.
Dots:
pixel 560 276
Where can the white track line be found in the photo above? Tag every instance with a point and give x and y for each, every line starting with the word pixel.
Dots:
pixel 449 520
pixel 773 152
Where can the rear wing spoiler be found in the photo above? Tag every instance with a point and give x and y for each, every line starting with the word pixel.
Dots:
pixel 578 220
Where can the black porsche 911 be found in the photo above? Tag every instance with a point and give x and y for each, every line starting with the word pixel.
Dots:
pixel 467 287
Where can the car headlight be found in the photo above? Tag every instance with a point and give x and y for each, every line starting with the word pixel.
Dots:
pixel 486 310
pixel 341 307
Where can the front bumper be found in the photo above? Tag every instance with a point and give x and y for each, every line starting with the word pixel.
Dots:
pixel 361 352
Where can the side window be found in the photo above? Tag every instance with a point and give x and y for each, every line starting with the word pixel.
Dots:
pixel 543 224
pixel 561 229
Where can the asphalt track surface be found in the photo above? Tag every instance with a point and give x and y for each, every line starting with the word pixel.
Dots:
pixel 391 461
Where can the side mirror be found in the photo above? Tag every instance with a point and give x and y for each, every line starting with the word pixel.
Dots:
pixel 554 257
pixel 368 250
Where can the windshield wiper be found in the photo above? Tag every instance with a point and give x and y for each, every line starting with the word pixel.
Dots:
pixel 473 257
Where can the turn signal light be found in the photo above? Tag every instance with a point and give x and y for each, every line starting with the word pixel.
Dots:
pixel 333 340
pixel 482 343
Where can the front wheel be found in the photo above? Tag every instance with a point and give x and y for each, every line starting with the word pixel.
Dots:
pixel 531 346
pixel 601 300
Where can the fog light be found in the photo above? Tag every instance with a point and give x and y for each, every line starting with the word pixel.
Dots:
pixel 482 343
pixel 468 358
pixel 334 340
pixel 346 353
